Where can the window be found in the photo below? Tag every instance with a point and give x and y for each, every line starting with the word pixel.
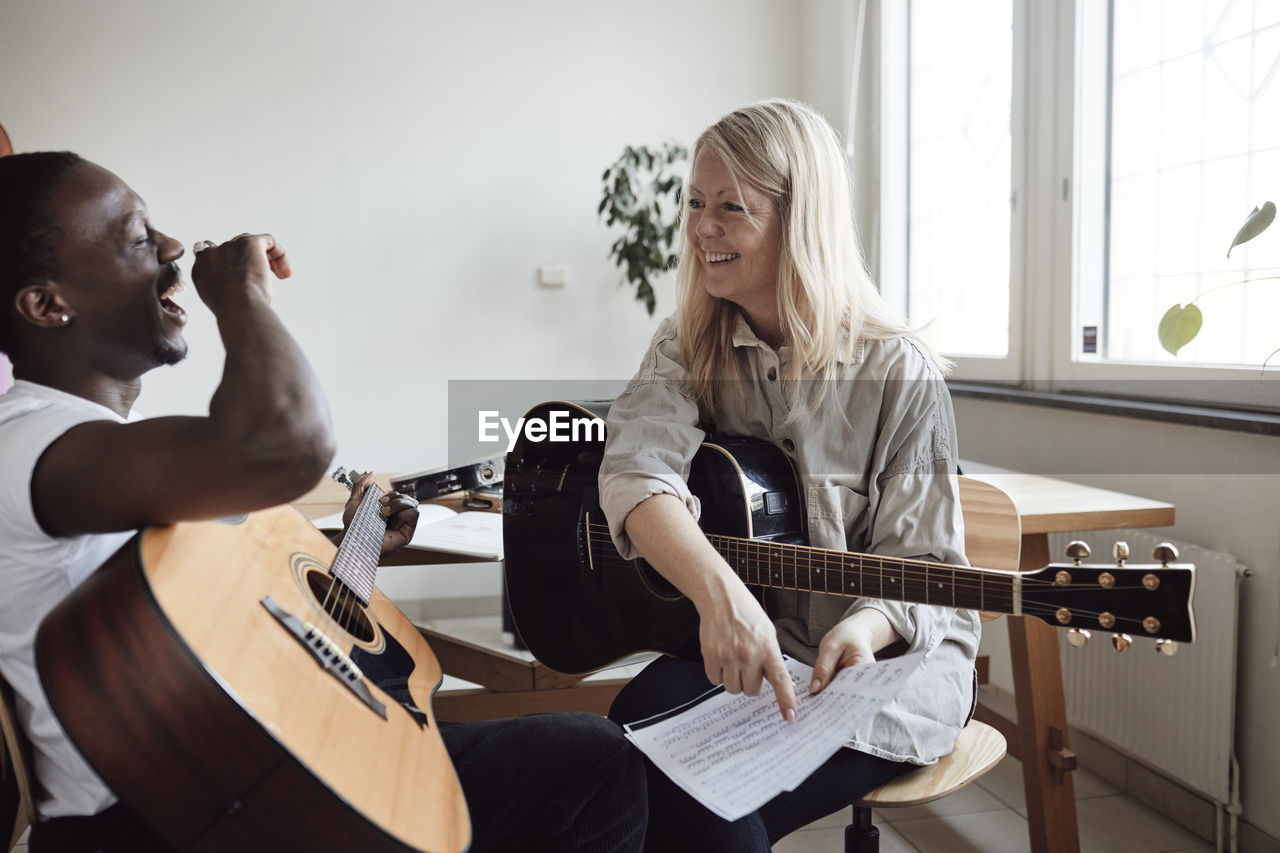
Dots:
pixel 959 173
pixel 1055 176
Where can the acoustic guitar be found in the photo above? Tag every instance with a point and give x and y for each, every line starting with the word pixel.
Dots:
pixel 243 688
pixel 578 604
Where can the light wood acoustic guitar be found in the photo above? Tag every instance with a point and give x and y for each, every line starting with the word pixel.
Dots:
pixel 578 604
pixel 244 689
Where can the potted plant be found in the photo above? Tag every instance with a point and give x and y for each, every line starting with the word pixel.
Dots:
pixel 642 191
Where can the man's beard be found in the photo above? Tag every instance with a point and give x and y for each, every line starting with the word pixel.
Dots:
pixel 168 353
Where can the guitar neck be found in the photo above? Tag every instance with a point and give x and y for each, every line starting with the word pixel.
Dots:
pixel 801 567
pixel 356 565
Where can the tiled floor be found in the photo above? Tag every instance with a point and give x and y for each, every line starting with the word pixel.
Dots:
pixel 990 816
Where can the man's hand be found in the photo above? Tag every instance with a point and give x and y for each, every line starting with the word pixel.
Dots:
pixel 245 265
pixel 400 511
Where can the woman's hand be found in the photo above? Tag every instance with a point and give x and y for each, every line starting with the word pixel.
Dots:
pixel 739 643
pixel 399 510
pixel 740 646
pixel 853 641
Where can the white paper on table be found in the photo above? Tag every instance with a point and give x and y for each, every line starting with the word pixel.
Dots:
pixel 427 514
pixel 735 753
pixel 476 533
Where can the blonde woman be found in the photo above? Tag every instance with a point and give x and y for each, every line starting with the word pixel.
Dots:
pixel 781 335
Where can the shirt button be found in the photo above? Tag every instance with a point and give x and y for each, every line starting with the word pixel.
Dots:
pixel 773 373
pixel 788 445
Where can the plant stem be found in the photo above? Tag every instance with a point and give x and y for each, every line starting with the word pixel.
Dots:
pixel 1233 284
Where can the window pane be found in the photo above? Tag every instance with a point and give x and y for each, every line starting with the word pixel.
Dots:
pixel 960 95
pixel 1194 146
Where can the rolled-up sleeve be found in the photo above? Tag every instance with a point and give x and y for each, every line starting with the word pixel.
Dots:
pixel 653 435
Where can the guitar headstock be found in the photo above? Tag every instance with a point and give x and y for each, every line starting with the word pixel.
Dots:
pixel 347 477
pixel 1130 599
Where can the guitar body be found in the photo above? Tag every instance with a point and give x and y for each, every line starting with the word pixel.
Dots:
pixel 200 709
pixel 576 603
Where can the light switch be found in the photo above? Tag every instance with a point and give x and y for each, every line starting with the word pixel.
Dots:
pixel 551 276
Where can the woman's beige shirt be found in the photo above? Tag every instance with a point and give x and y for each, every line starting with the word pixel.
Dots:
pixel 877 465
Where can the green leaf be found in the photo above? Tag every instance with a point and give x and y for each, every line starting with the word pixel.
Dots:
pixel 644 293
pixel 1179 325
pixel 1257 222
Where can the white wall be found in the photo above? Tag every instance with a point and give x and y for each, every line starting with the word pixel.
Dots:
pixel 419 160
pixel 1221 504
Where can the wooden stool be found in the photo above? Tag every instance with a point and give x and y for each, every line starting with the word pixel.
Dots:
pixel 978 749
pixel 17 808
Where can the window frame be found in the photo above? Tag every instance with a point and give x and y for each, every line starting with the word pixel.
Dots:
pixel 1047 259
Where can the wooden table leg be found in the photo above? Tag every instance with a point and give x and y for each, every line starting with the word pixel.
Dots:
pixel 1042 722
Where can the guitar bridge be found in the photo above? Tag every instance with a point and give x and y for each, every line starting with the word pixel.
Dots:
pixel 332 659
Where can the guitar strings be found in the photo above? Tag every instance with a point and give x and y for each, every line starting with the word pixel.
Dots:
pixel 964 577
pixel 978 580
pixel 912 569
pixel 366 533
pixel 993 601
pixel 358 532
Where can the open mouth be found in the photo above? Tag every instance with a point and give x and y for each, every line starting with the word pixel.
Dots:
pixel 721 257
pixel 166 298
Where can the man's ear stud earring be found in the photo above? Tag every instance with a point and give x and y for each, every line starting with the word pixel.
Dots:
pixel 66 318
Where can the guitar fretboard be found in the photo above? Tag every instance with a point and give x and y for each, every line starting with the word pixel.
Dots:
pixel 356 565
pixel 801 567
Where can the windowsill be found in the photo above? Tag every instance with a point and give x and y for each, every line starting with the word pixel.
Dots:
pixel 1235 420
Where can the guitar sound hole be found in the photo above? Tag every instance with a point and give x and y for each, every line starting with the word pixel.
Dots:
pixel 656 583
pixel 342 605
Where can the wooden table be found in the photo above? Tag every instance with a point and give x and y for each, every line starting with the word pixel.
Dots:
pixel 511 681
pixel 1038 735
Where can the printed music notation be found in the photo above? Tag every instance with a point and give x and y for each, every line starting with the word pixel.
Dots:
pixel 735 753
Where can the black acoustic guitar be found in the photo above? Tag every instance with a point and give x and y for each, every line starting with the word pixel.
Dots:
pixel 578 605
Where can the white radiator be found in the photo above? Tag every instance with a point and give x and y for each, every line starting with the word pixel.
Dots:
pixel 1175 714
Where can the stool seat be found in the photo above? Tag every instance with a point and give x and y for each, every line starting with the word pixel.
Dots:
pixel 977 750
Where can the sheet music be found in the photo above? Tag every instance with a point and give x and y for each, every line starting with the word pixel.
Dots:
pixel 735 753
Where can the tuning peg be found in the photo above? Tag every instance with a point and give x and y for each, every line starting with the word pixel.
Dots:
pixel 1165 553
pixel 1168 648
pixel 1077 551
pixel 1121 642
pixel 1121 552
pixel 1078 637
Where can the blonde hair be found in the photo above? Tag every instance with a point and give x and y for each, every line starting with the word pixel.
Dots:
pixel 827 303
